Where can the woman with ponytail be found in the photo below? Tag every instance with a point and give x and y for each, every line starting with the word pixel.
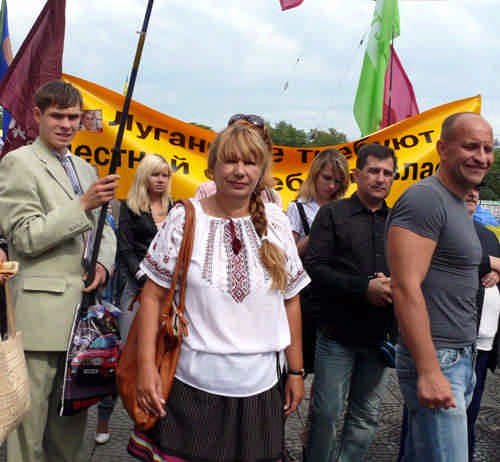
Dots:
pixel 240 370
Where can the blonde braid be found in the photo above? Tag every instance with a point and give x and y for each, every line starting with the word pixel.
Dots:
pixel 271 256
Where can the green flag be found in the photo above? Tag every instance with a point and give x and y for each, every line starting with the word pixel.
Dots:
pixel 370 95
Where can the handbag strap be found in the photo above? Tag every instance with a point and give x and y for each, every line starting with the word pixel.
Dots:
pixel 181 270
pixel 186 251
pixel 7 316
pixel 303 218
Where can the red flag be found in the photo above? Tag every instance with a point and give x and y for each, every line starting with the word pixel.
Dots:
pixel 287 4
pixel 38 61
pixel 399 97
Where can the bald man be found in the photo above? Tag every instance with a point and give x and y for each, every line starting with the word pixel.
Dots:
pixel 435 296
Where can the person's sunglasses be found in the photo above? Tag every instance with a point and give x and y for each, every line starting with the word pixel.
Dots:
pixel 250 118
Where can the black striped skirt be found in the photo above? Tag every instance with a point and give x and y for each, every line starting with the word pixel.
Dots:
pixel 202 427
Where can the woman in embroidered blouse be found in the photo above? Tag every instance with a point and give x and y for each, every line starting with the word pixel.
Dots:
pixel 145 209
pixel 327 180
pixel 243 315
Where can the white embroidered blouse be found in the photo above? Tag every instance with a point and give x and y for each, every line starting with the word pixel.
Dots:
pixel 236 322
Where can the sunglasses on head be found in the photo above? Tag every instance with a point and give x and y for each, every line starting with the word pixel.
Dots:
pixel 252 119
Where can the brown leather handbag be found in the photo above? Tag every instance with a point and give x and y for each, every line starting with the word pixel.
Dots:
pixel 168 343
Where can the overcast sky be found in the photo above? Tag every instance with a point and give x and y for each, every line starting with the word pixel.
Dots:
pixel 207 59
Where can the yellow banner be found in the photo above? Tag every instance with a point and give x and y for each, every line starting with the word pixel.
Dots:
pixel 185 146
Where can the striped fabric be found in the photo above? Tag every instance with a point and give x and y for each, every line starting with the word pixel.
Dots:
pixel 70 171
pixel 142 447
pixel 202 427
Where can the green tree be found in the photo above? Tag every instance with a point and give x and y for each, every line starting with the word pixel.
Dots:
pixel 286 134
pixel 328 138
pixel 491 191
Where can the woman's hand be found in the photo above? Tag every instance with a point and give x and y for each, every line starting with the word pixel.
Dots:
pixel 294 392
pixel 149 396
pixel 294 387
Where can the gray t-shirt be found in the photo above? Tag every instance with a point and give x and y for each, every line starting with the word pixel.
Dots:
pixel 450 286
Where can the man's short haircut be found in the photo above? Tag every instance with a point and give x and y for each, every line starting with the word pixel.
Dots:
pixel 375 150
pixel 448 125
pixel 57 93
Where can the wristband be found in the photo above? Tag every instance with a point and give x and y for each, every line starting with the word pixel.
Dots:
pixel 300 372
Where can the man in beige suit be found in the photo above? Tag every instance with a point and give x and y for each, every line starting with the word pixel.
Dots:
pixel 49 199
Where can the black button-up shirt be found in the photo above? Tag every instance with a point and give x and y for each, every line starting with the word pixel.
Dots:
pixel 346 248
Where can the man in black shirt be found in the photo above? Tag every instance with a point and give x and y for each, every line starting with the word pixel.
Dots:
pixel 346 261
pixel 488 304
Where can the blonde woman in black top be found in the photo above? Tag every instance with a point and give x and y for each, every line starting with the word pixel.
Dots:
pixel 141 214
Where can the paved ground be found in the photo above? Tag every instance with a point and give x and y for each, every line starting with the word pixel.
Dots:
pixel 384 448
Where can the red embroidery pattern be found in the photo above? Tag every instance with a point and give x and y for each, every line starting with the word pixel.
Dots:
pixel 295 279
pixel 159 271
pixel 237 265
pixel 208 264
pixel 277 227
pixel 255 244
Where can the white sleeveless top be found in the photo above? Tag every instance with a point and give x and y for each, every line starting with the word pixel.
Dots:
pixel 237 324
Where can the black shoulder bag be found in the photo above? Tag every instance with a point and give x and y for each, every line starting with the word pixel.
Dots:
pixel 309 307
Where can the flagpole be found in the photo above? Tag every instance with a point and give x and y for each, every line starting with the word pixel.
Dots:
pixel 88 299
pixel 390 79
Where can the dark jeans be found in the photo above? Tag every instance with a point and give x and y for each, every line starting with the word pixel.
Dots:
pixel 473 409
pixel 351 378
pixel 105 407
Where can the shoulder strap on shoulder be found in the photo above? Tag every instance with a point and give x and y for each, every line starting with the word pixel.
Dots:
pixel 303 218
pixel 185 251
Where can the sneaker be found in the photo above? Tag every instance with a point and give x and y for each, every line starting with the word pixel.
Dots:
pixel 102 438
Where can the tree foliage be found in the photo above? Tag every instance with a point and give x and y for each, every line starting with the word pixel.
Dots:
pixel 491 191
pixel 328 138
pixel 286 134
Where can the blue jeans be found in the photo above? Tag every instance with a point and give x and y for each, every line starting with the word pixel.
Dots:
pixel 344 374
pixel 437 435
pixel 129 292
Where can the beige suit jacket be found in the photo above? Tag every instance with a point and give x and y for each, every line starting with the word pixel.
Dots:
pixel 44 222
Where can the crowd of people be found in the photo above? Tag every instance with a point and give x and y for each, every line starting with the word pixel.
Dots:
pixel 327 287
